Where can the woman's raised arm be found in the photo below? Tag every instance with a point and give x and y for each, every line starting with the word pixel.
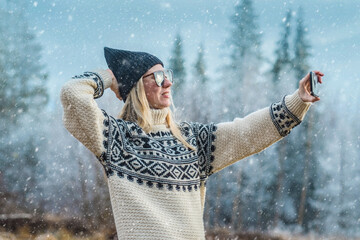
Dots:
pixel 246 136
pixel 82 116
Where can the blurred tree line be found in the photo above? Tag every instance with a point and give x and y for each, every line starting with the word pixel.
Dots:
pixel 23 95
pixel 38 158
pixel 290 185
pixel 306 182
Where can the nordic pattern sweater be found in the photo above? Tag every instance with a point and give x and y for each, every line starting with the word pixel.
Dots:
pixel 157 186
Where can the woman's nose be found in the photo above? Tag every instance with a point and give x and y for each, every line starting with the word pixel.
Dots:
pixel 167 83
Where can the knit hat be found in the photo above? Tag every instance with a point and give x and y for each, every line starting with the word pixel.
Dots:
pixel 128 67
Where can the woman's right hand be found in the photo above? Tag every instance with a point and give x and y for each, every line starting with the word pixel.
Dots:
pixel 304 88
pixel 114 85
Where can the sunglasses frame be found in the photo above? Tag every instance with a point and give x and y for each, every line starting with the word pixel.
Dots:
pixel 161 75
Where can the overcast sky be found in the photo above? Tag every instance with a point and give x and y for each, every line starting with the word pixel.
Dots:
pixel 74 32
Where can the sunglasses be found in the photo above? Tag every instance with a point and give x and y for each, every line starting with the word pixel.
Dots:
pixel 160 76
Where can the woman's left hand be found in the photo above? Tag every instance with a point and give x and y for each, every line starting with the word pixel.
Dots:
pixel 114 85
pixel 304 87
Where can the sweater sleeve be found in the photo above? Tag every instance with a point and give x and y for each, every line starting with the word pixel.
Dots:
pixel 246 136
pixel 82 116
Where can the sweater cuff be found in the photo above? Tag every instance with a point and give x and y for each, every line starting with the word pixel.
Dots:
pixel 105 77
pixel 296 105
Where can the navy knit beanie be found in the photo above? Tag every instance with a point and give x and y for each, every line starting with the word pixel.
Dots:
pixel 128 67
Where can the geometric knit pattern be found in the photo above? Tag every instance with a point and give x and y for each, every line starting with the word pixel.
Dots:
pixel 282 118
pixel 157 159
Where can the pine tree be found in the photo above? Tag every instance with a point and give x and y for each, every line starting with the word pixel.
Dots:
pixel 177 64
pixel 22 96
pixel 200 95
pixel 245 38
pixel 240 84
pixel 302 47
pixel 23 87
pixel 242 72
pixel 282 52
pixel 306 212
pixel 280 72
pixel 200 67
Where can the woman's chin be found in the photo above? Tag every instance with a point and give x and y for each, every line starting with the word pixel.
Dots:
pixel 162 105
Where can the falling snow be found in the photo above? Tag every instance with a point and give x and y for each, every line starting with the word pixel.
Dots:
pixel 45 172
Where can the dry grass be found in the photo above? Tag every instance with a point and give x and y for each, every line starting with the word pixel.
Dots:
pixel 315 237
pixel 7 236
pixel 58 235
pixel 222 234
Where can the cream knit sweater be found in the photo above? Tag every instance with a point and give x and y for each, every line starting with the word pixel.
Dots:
pixel 157 186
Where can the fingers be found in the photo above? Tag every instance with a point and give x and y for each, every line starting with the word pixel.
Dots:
pixel 306 77
pixel 314 99
pixel 118 96
pixel 319 75
pixel 305 82
pixel 114 85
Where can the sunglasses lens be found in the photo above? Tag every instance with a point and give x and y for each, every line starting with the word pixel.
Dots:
pixel 159 78
pixel 169 75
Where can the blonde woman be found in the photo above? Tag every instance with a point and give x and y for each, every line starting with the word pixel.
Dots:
pixel 157 168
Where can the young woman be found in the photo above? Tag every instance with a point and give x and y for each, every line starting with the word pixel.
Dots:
pixel 157 168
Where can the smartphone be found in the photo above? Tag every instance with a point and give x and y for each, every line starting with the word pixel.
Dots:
pixel 314 82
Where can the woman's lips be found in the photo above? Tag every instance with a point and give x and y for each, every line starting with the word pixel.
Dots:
pixel 166 94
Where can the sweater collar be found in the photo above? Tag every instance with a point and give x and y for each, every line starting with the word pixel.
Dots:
pixel 159 116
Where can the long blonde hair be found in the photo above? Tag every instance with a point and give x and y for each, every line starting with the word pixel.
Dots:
pixel 137 109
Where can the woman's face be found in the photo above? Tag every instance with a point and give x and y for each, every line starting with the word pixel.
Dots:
pixel 158 97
